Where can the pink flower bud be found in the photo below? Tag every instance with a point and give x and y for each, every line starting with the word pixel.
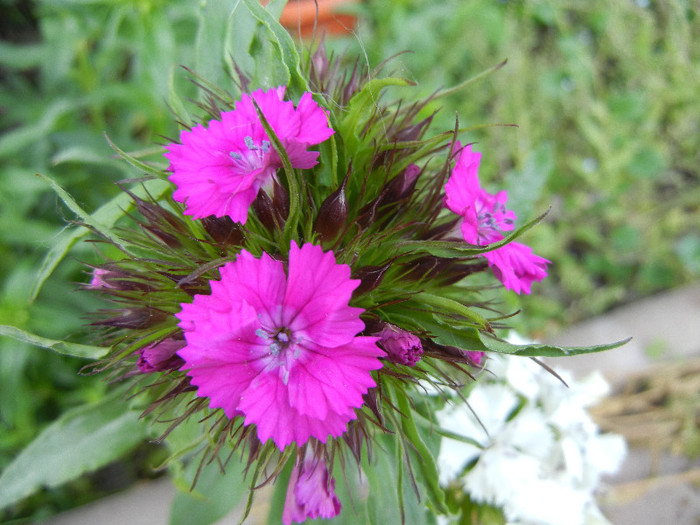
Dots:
pixel 402 347
pixel 160 356
pixel 310 493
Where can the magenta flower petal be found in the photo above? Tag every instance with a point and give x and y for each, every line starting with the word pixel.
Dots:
pixel 318 299
pixel 219 170
pixel 281 350
pixel 310 493
pixel 485 218
pixel 516 266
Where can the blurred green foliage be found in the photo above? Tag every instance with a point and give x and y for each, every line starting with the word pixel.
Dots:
pixel 604 95
pixel 69 72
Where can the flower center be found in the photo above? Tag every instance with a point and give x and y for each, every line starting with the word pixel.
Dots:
pixel 253 158
pixel 283 349
pixel 493 220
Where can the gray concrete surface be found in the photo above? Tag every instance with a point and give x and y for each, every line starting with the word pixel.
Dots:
pixel 651 490
pixel 666 326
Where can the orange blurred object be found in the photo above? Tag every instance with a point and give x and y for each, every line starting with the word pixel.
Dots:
pixel 299 17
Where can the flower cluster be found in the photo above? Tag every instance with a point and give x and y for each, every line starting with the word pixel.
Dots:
pixel 299 279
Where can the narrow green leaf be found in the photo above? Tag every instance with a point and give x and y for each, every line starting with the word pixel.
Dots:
pixel 383 501
pixel 458 308
pixel 62 347
pixel 90 220
pixel 13 141
pixel 459 87
pixel 293 183
pixel 471 339
pixel 81 440
pixel 279 495
pixel 467 339
pixel 131 159
pixel 107 215
pixel 210 51
pixel 425 459
pixel 360 108
pixel 283 40
pixel 545 350
pixel 457 249
pixel 63 243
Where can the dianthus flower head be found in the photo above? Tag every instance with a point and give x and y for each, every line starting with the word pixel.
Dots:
pixel 282 350
pixel 220 169
pixel 310 493
pixel 485 218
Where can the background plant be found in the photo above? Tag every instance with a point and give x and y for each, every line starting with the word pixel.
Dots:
pixel 604 96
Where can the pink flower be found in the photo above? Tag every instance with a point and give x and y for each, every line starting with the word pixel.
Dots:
pixel 160 356
pixel 310 493
pixel 220 169
pixel 279 349
pixel 402 347
pixel 485 218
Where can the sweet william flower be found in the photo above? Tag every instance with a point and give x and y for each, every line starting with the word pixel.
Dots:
pixel 310 493
pixel 485 218
pixel 282 350
pixel 219 170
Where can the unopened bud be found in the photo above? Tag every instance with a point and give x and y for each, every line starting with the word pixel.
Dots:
pixel 401 186
pixel 332 215
pixel 223 230
pixel 134 318
pixel 112 279
pixel 402 347
pixel 412 133
pixel 474 356
pixel 263 207
pixel 370 277
pixel 160 356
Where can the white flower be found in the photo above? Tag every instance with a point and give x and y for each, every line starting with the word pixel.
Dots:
pixel 539 456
